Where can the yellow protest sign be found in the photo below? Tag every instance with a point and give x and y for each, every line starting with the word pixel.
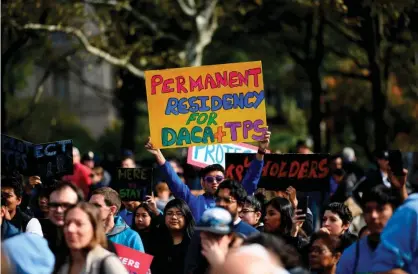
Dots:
pixel 206 105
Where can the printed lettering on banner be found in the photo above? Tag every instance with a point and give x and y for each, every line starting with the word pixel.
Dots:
pixel 202 156
pixel 206 105
pixel 305 172
pixel 135 262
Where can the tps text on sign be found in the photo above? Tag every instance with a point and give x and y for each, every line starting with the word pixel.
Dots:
pixel 305 172
pixel 203 156
pixel 206 105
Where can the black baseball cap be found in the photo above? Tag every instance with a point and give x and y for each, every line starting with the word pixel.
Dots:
pixel 89 156
pixel 382 154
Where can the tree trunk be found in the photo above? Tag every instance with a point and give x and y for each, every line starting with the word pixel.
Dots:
pixel 379 107
pixel 3 112
pixel 132 90
pixel 328 132
pixel 316 115
pixel 372 37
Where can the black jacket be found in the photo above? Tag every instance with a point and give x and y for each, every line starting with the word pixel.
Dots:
pixel 371 179
pixel 168 258
pixel 20 220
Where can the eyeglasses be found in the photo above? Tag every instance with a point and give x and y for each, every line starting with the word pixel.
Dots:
pixel 171 214
pixel 57 205
pixel 211 179
pixel 245 211
pixel 228 200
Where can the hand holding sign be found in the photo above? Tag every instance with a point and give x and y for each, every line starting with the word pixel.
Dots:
pixel 291 191
pixel 150 201
pixel 264 144
pixel 150 147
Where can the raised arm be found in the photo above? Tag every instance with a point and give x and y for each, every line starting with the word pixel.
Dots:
pixel 253 175
pixel 177 187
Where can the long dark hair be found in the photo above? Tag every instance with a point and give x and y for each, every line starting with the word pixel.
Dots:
pixel 189 223
pixel 286 213
pixel 148 210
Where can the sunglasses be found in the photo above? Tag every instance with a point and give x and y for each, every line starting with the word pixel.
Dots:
pixel 211 179
pixel 63 205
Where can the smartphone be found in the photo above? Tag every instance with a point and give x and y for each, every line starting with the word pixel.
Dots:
pixel 396 162
pixel 303 204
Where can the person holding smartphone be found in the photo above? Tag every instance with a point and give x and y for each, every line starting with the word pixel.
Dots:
pixel 302 205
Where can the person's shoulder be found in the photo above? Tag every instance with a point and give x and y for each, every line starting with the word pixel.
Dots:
pixel 246 229
pixel 349 252
pixel 132 235
pixel 411 202
pixel 84 169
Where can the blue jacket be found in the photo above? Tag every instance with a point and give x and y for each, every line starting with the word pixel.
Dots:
pixel 200 203
pixel 8 230
pixel 122 234
pixel 29 254
pixel 347 263
pixel 398 246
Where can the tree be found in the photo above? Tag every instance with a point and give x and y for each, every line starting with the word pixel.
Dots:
pixel 169 34
pixel 49 122
pixel 382 32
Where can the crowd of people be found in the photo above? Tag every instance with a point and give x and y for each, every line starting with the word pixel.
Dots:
pixel 366 223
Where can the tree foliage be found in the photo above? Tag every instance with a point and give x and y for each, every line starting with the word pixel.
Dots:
pixel 50 121
pixel 348 65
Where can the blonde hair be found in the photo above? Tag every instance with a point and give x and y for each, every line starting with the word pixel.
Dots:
pixel 99 236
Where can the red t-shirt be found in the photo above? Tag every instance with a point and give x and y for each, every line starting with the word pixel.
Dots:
pixel 80 178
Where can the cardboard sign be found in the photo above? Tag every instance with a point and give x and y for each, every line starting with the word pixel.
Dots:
pixel 134 184
pixel 49 160
pixel 305 172
pixel 203 156
pixel 53 159
pixel 206 105
pixel 135 262
pixel 15 155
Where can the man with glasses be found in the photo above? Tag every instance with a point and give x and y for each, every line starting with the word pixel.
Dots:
pixel 251 213
pixel 61 198
pixel 211 176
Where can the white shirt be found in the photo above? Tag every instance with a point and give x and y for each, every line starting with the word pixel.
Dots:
pixel 385 180
pixel 236 222
pixel 34 226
